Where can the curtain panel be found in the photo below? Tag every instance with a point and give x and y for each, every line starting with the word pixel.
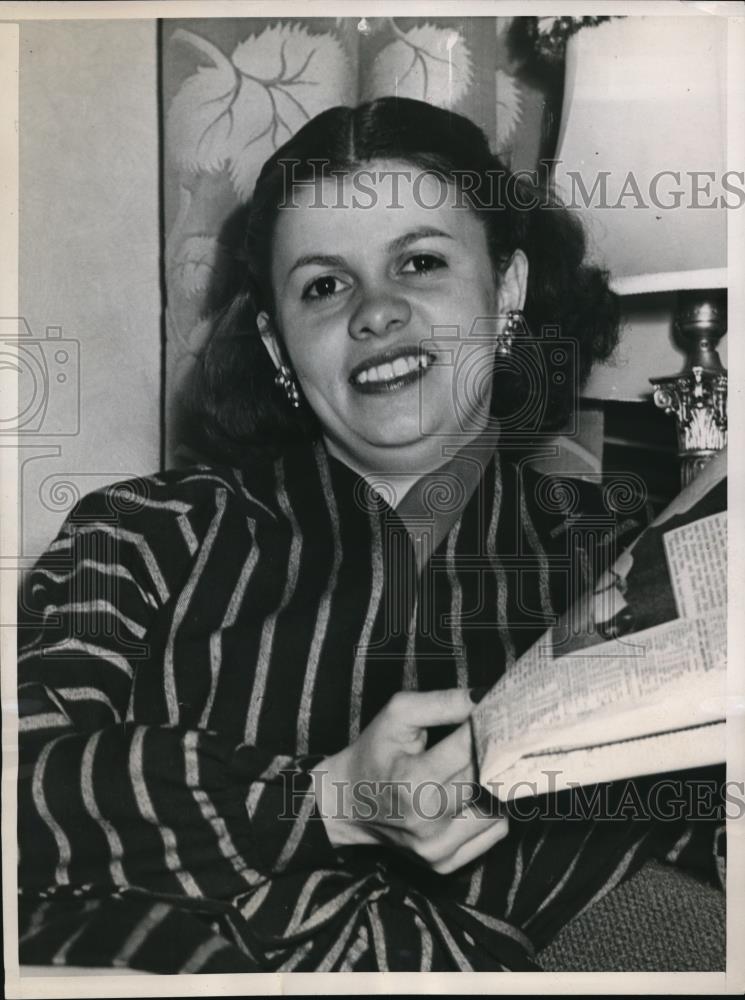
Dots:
pixel 235 89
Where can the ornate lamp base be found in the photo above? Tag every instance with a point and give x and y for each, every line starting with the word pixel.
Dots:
pixel 697 397
pixel 698 402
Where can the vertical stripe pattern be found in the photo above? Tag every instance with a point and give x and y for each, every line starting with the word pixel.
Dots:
pixel 178 686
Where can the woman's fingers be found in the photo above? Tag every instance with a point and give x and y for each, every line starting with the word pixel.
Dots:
pixel 436 783
pixel 489 833
pixel 454 791
pixel 448 800
pixel 452 755
pixel 445 841
pixel 431 708
pixel 414 798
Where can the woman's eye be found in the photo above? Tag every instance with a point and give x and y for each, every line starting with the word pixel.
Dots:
pixel 323 288
pixel 422 263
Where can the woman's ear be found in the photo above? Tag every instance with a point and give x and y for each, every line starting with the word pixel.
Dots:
pixel 514 284
pixel 269 338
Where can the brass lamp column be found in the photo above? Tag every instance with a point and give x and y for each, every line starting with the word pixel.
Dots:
pixel 644 127
pixel 697 397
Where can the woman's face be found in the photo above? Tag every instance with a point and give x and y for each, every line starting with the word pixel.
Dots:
pixel 387 315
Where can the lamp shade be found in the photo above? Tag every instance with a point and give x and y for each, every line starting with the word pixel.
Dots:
pixel 642 149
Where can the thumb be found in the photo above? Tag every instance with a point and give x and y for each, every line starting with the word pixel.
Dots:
pixel 423 709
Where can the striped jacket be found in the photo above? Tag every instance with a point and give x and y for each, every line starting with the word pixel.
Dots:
pixel 193 643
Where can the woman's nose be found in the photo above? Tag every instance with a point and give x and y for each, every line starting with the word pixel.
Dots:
pixel 379 313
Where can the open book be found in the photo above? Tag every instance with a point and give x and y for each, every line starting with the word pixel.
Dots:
pixel 631 681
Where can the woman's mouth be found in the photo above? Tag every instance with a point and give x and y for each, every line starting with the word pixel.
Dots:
pixel 400 370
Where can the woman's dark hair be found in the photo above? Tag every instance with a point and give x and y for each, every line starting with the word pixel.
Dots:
pixel 236 407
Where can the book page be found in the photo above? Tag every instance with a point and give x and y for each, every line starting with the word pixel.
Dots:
pixel 672 675
pixel 584 683
pixel 697 558
pixel 543 773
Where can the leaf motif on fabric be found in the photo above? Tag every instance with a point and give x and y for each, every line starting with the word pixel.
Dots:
pixel 188 340
pixel 426 63
pixel 199 334
pixel 199 118
pixel 238 111
pixel 509 106
pixel 194 263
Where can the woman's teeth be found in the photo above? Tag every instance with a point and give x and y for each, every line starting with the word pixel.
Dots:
pixel 392 369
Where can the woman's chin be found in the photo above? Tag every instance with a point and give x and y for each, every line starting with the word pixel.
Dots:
pixel 404 438
pixel 408 447
pixel 390 446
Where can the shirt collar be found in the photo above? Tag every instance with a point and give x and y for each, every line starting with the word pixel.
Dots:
pixel 437 500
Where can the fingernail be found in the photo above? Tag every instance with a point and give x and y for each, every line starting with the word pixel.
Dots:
pixel 477 693
pixel 621 624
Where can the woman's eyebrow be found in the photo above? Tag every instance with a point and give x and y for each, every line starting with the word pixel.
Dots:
pixel 401 242
pixel 322 259
pixel 395 245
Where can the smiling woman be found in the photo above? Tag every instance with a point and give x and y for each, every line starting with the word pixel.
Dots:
pixel 360 326
pixel 431 259
pixel 245 695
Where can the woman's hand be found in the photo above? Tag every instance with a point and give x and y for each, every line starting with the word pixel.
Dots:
pixel 385 788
